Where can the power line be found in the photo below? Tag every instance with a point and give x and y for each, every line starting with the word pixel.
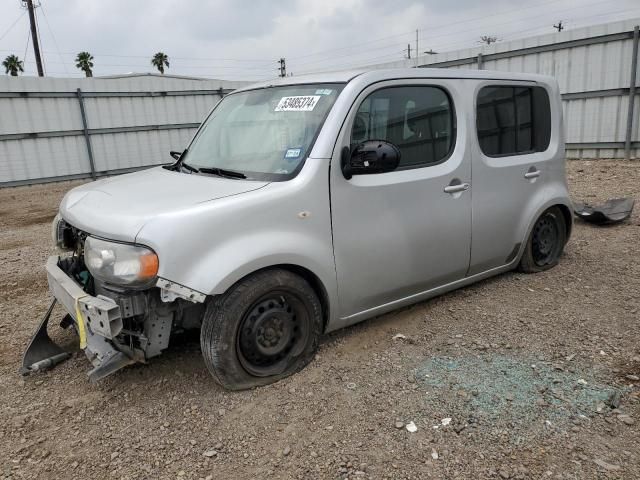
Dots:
pixel 429 39
pixel 395 45
pixel 361 57
pixel 55 42
pixel 448 25
pixel 448 46
pixel 315 63
pixel 528 20
pixel 388 46
pixel 26 47
pixel 12 25
pixel 331 59
pixel 518 33
pixel 208 68
pixel 357 64
pixel 321 52
pixel 352 64
pixel 241 70
pixel 172 57
pixel 204 59
pixel 174 65
pixel 225 77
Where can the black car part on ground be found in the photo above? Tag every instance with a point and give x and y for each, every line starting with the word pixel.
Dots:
pixel 42 353
pixel 612 211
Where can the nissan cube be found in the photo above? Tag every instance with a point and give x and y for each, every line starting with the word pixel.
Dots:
pixel 306 204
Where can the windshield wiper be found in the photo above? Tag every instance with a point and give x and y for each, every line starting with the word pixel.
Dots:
pixel 221 172
pixel 189 167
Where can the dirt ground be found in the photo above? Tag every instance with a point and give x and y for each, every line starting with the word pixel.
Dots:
pixel 520 376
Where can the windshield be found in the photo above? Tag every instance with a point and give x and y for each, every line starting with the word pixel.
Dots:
pixel 264 134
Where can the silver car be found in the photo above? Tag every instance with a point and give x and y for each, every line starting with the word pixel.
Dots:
pixel 307 204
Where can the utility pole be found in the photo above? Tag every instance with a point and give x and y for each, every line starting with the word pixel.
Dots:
pixel 283 67
pixel 34 36
pixel 417 49
pixel 559 26
pixel 409 51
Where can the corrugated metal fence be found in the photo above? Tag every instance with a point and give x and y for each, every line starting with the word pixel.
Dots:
pixel 597 70
pixel 55 129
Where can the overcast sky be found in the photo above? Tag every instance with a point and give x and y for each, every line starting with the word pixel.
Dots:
pixel 242 39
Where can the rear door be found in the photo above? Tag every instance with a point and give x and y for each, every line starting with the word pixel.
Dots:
pixel 510 166
pixel 400 233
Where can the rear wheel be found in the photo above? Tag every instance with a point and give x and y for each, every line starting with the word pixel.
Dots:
pixel 264 328
pixel 546 242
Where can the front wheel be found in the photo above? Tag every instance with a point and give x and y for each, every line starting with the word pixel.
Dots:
pixel 545 243
pixel 264 328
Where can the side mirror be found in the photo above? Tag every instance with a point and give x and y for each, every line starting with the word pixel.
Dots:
pixel 175 154
pixel 372 156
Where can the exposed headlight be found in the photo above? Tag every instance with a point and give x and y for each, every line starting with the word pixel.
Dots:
pixel 119 263
pixel 61 233
pixel 55 233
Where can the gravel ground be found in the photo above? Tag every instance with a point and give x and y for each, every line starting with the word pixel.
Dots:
pixel 520 376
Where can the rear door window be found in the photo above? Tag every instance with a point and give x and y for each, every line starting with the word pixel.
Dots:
pixel 513 120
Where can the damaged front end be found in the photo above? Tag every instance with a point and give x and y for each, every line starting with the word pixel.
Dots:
pixel 122 312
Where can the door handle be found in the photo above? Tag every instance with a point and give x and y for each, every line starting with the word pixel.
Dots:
pixel 461 187
pixel 532 174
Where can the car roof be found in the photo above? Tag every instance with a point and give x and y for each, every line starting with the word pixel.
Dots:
pixel 373 75
pixel 328 77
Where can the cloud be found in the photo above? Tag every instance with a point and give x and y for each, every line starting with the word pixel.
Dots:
pixel 242 39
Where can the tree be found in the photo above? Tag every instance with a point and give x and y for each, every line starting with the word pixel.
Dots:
pixel 160 60
pixel 84 61
pixel 13 65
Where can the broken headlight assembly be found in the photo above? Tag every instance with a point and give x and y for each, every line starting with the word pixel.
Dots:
pixel 62 234
pixel 120 263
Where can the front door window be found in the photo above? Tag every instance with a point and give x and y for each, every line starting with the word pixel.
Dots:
pixel 417 119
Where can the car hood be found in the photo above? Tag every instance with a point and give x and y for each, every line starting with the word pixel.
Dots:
pixel 118 207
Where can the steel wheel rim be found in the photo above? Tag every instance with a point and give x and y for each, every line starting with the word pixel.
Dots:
pixel 545 240
pixel 272 332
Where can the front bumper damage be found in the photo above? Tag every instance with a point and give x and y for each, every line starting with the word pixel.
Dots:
pixel 97 320
pixel 115 330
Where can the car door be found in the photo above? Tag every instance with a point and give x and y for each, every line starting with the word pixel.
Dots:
pixel 400 233
pixel 510 158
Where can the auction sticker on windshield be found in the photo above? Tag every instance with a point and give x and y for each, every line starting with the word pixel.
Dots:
pixel 299 103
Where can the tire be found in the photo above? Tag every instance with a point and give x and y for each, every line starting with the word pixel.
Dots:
pixel 545 243
pixel 264 328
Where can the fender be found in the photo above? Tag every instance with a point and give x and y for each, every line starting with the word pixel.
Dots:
pixel 209 247
pixel 221 268
pixel 532 215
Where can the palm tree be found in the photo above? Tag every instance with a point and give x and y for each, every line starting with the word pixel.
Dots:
pixel 160 60
pixel 12 65
pixel 84 61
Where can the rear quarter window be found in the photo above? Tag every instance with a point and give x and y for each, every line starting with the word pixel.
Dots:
pixel 513 120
